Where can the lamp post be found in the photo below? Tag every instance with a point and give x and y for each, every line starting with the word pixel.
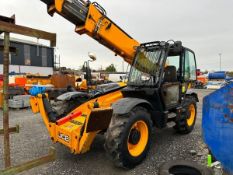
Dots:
pixel 88 72
pixel 220 61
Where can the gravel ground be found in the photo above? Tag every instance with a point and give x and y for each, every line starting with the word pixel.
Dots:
pixel 33 141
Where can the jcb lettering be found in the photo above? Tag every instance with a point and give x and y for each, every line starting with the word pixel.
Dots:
pixel 63 137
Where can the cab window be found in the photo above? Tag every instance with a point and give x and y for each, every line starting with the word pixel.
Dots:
pixel 189 66
pixel 174 61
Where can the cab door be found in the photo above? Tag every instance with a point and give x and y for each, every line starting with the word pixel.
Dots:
pixel 189 75
pixel 170 89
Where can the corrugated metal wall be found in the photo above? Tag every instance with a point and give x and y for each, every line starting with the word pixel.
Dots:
pixel 30 55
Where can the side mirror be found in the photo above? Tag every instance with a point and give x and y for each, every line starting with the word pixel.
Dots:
pixel 92 56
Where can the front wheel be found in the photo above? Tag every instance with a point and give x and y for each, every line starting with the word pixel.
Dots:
pixel 186 123
pixel 128 137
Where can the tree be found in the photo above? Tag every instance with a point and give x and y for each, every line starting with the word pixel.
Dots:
pixel 110 68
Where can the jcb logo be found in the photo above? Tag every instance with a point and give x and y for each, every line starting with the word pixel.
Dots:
pixel 64 137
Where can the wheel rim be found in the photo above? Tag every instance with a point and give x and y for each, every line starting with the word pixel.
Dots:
pixel 192 114
pixel 138 138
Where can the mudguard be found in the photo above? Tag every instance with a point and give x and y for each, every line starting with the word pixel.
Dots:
pixel 192 93
pixel 71 95
pixel 125 105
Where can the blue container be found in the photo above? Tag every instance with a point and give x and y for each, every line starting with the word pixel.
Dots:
pixel 35 90
pixel 217 75
pixel 217 125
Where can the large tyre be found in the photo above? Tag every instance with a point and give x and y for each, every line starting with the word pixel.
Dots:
pixel 188 116
pixel 128 137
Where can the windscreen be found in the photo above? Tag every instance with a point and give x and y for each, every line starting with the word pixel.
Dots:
pixel 145 70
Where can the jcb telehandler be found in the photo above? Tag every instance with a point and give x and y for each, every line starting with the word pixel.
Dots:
pixel 157 91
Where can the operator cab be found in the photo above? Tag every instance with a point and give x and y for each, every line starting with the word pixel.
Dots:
pixel 179 74
pixel 161 73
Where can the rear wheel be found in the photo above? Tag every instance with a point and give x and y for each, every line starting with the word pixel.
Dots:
pixel 128 137
pixel 188 116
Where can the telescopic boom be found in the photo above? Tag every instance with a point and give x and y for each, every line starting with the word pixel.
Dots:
pixel 91 19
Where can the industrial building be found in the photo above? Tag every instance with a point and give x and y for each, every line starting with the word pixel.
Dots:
pixel 31 57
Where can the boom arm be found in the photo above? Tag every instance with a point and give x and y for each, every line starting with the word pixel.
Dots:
pixel 90 18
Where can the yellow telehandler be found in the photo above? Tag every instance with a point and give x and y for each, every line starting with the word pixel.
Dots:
pixel 156 93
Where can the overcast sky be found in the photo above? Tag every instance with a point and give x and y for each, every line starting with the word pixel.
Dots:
pixel 205 26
